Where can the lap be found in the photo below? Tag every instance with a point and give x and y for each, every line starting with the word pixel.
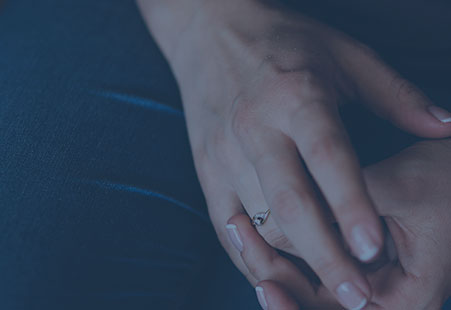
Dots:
pixel 100 204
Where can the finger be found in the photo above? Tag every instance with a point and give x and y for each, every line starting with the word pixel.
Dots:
pixel 223 203
pixel 271 295
pixel 265 263
pixel 391 96
pixel 295 208
pixel 249 191
pixel 324 145
pixel 275 296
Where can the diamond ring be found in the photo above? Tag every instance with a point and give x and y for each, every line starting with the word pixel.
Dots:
pixel 260 218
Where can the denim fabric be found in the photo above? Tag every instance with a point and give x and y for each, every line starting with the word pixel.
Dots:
pixel 100 207
pixel 100 204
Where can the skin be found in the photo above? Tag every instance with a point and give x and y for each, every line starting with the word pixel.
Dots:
pixel 411 192
pixel 261 98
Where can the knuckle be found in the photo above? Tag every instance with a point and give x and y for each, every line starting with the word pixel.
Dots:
pixel 286 205
pixel 303 76
pixel 301 113
pixel 256 268
pixel 272 269
pixel 325 148
pixel 253 269
pixel 301 83
pixel 403 88
pixel 346 205
pixel 263 159
pixel 279 267
pixel 244 118
pixel 277 239
pixel 327 268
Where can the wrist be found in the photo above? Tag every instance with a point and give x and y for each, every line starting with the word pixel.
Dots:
pixel 167 20
pixel 191 28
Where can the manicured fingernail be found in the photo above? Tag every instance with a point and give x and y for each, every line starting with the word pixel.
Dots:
pixel 234 236
pixel 365 245
pixel 261 297
pixel 351 297
pixel 440 114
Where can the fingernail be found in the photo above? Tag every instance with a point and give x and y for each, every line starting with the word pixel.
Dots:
pixel 234 236
pixel 261 297
pixel 440 114
pixel 365 245
pixel 351 297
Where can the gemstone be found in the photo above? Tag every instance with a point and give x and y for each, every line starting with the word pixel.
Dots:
pixel 260 218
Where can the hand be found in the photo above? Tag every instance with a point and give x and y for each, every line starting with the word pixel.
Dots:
pixel 411 191
pixel 261 88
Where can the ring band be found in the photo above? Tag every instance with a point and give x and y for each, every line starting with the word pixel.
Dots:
pixel 260 218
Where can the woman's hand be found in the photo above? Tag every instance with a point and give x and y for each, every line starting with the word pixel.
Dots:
pixel 261 88
pixel 412 193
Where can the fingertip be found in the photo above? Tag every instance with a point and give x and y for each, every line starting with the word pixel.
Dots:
pixel 440 114
pixel 351 296
pixel 364 233
pixel 236 231
pixel 261 297
pixel 367 242
pixel 235 237
pixel 429 121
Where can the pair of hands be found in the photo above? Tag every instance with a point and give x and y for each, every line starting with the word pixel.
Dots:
pixel 411 192
pixel 261 87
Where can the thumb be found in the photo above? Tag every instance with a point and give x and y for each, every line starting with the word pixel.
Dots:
pixel 394 98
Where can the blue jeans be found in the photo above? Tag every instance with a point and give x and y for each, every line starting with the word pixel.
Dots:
pixel 100 206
